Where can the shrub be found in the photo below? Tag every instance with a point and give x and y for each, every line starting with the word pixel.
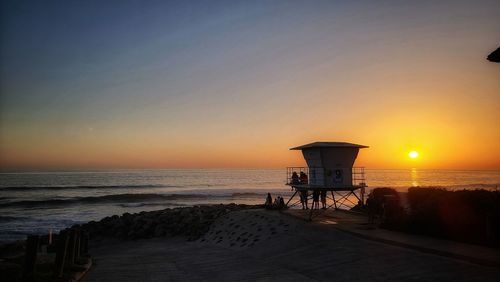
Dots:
pixel 385 203
pixel 467 215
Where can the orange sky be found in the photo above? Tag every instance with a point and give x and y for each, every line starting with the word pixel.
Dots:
pixel 237 87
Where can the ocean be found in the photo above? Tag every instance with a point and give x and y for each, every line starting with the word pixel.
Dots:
pixel 36 202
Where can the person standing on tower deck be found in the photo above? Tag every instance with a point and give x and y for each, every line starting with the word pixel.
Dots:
pixel 295 178
pixel 303 178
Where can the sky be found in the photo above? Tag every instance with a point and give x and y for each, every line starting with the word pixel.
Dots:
pixel 235 84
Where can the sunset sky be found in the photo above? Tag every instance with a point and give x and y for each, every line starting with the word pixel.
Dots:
pixel 203 84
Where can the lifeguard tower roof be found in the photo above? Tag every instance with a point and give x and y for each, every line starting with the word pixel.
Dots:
pixel 329 145
pixel 330 165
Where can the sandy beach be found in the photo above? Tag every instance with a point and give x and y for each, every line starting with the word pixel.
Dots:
pixel 262 245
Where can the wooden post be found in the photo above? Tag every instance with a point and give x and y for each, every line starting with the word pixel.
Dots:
pixel 70 257
pixel 77 244
pixel 30 257
pixel 50 236
pixel 362 196
pixel 84 243
pixel 62 246
pixel 312 208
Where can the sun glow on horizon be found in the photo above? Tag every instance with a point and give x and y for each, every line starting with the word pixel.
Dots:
pixel 413 154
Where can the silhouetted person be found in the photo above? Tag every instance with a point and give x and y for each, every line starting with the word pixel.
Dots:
pixel 276 203
pixel 375 207
pixel 316 199
pixel 295 178
pixel 323 199
pixel 282 203
pixel 303 199
pixel 269 201
pixel 303 178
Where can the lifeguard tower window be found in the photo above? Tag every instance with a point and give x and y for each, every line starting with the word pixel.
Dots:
pixel 330 167
pixel 338 176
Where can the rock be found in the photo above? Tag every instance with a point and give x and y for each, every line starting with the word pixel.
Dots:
pixel 160 230
pixel 192 222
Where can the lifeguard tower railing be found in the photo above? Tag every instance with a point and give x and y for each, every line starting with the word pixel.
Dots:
pixel 316 173
pixel 342 195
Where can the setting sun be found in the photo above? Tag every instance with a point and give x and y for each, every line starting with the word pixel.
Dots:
pixel 413 154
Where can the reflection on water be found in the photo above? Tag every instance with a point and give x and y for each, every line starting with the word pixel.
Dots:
pixel 402 179
pixel 414 177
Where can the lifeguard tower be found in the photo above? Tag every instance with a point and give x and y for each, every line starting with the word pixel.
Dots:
pixel 329 168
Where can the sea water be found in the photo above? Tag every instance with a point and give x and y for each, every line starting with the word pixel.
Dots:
pixel 36 202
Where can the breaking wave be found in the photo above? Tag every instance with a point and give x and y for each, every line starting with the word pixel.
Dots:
pixel 4 218
pixel 127 199
pixel 33 188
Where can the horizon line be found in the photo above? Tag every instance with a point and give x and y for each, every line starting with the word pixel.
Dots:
pixel 36 170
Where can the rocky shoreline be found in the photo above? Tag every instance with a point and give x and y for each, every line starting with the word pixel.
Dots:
pixel 188 222
pixel 191 222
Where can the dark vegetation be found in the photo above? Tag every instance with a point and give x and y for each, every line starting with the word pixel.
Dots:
pixel 471 216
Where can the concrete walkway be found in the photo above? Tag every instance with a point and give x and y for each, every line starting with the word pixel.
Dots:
pixel 287 249
pixel 357 224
